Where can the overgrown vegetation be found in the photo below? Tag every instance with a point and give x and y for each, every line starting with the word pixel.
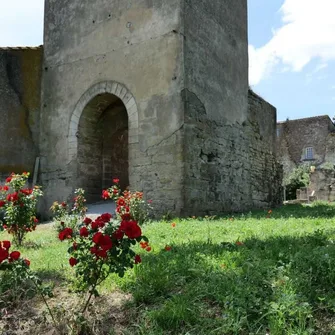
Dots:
pixel 265 271
pixel 297 179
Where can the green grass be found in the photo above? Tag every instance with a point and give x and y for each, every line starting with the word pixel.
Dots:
pixel 280 279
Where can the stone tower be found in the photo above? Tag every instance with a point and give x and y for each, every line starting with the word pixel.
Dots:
pixel 155 92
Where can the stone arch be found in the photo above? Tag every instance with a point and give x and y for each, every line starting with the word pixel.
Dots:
pixel 107 99
pixel 111 87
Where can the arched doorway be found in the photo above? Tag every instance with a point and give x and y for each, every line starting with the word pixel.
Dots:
pixel 102 145
pixel 103 126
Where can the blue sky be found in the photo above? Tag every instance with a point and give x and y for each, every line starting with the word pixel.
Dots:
pixel 291 50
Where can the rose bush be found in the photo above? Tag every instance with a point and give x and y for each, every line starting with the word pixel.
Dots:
pixel 19 205
pixel 128 204
pixel 101 247
pixel 68 216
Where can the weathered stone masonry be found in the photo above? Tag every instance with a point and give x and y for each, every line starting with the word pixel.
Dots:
pixel 20 89
pixel 155 92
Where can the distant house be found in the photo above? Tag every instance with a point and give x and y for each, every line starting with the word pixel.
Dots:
pixel 306 141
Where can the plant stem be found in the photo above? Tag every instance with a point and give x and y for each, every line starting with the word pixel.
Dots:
pixel 46 304
pixel 92 290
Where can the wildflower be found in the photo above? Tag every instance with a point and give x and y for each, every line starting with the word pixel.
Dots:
pixel 173 225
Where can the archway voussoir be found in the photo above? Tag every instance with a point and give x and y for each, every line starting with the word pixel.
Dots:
pixel 126 98
pixel 118 90
pixel 123 92
pixel 114 88
pixel 130 103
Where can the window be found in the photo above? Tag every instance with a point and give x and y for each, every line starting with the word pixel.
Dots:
pixel 309 153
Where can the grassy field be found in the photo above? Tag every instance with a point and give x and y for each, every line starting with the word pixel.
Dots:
pixel 256 273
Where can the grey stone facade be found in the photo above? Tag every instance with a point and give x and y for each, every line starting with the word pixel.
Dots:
pixel 315 134
pixel 156 93
pixel 20 90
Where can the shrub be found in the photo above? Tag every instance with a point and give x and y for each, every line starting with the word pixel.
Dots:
pixel 102 247
pixel 69 217
pixel 297 179
pixel 128 203
pixel 19 204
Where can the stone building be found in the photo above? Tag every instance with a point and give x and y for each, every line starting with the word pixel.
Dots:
pixel 309 141
pixel 154 92
pixel 306 141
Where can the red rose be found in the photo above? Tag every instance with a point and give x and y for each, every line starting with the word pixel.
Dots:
pixel 95 225
pixel 138 259
pixel 99 222
pixel 8 180
pixel 6 244
pixel 148 248
pixel 101 253
pixel 65 234
pixel 116 180
pixel 87 221
pixel 35 220
pixel 118 235
pixel 126 216
pixel 83 232
pixel 96 237
pixel 27 261
pixel 144 245
pixel 2 203
pixel 121 202
pixel 106 217
pixel 3 254
pixel 5 188
pixel 167 248
pixel 105 242
pixel 13 197
pixel 64 204
pixel 105 195
pixel 73 261
pixel 131 229
pixel 15 255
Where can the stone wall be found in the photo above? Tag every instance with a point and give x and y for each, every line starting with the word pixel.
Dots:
pixel 322 184
pixel 20 87
pixel 128 49
pixel 230 162
pixel 180 68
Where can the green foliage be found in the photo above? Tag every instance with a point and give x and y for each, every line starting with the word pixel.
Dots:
pixel 65 216
pixel 297 179
pixel 19 203
pixel 247 274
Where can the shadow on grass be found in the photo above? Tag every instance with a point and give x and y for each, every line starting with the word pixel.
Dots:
pixel 316 210
pixel 55 276
pixel 282 284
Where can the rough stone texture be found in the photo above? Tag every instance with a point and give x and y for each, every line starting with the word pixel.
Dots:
pixel 294 136
pixel 321 186
pixel 93 46
pixel 230 163
pixel 20 87
pixel 155 92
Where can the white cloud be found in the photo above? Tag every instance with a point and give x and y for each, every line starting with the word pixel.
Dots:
pixel 308 32
pixel 21 22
